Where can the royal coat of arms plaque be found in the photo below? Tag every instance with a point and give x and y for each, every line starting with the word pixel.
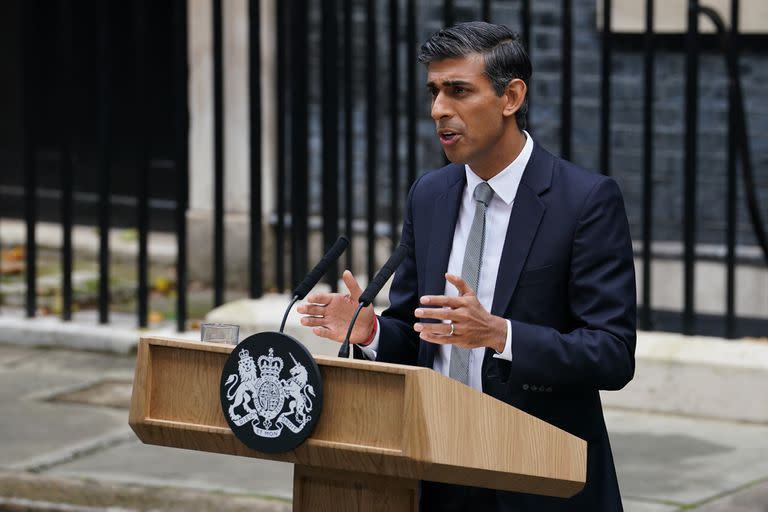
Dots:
pixel 271 392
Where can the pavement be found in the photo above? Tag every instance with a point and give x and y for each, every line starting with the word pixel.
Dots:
pixel 690 432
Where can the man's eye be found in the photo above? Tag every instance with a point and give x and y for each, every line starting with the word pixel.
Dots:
pixel 459 90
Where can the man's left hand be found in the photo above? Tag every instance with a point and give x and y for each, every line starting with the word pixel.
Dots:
pixel 473 326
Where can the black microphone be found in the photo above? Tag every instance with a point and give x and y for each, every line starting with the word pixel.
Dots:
pixel 375 286
pixel 316 274
pixel 373 289
pixel 321 268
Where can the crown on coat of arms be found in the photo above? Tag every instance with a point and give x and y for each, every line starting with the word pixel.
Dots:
pixel 270 366
pixel 245 356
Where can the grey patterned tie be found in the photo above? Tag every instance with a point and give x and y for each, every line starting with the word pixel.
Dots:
pixel 470 272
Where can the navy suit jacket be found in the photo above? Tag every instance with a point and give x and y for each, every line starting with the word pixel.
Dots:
pixel 566 281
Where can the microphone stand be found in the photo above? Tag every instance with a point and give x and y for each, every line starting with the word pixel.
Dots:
pixel 344 350
pixel 288 310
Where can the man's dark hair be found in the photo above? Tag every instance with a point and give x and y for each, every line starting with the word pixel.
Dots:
pixel 503 52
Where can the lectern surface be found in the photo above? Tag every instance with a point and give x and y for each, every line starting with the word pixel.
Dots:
pixel 390 421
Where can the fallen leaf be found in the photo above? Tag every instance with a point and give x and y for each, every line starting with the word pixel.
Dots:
pixel 9 268
pixel 16 253
pixel 162 285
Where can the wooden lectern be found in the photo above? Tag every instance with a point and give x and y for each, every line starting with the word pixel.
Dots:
pixel 383 428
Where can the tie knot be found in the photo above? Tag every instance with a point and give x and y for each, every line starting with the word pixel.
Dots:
pixel 483 193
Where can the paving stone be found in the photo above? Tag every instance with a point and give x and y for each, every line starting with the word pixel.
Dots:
pixel 644 506
pixel 31 493
pixel 17 386
pixel 137 463
pixel 684 460
pixel 10 354
pixel 753 498
pixel 107 392
pixel 77 362
pixel 35 433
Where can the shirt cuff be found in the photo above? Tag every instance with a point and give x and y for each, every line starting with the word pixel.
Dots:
pixel 507 353
pixel 372 348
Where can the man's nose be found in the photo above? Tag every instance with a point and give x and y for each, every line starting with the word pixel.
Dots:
pixel 440 107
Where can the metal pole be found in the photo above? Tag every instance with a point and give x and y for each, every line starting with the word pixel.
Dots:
pixel 648 98
pixel 394 161
pixel 299 141
pixel 27 61
pixel 485 10
pixel 218 155
pixel 330 112
pixel 105 155
pixel 66 119
pixel 605 101
pixel 730 259
pixel 689 181
pixel 525 17
pixel 566 87
pixel 348 130
pixel 282 167
pixel 181 114
pixel 372 138
pixel 254 102
pixel 448 13
pixel 412 86
pixel 143 163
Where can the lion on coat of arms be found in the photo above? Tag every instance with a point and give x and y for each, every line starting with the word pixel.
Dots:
pixel 246 389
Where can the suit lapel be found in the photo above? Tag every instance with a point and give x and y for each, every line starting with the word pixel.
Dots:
pixel 444 215
pixel 524 221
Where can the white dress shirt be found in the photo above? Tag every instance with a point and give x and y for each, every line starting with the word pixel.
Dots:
pixel 504 186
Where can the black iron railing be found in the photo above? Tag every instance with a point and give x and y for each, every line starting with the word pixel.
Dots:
pixel 357 105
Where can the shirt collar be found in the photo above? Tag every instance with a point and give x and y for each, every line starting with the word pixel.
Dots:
pixel 506 182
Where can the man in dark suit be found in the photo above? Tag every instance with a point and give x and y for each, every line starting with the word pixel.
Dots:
pixel 543 315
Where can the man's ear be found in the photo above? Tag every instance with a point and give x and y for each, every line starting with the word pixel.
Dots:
pixel 515 94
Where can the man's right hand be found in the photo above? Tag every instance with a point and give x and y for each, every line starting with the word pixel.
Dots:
pixel 329 314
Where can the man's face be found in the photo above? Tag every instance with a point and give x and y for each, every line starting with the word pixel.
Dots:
pixel 469 116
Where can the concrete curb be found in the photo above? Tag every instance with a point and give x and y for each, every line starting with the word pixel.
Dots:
pixel 697 376
pixel 702 350
pixel 53 332
pixel 27 492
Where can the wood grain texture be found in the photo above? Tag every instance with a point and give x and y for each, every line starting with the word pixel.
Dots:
pixel 345 491
pixel 381 419
pixel 464 428
pixel 351 418
pixel 181 386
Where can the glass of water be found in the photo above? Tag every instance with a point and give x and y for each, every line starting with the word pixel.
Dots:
pixel 220 333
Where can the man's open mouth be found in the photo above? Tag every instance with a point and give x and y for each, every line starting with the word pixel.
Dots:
pixel 448 137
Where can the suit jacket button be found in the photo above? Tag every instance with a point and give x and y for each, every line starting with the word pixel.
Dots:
pixel 534 388
pixel 525 387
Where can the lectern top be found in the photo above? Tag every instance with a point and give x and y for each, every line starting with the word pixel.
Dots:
pixel 378 418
